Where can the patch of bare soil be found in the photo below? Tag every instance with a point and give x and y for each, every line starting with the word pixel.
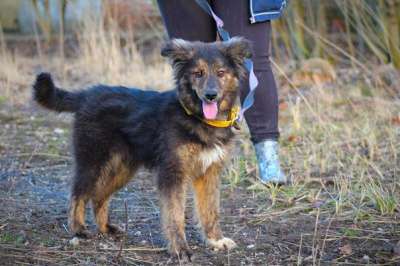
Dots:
pixel 35 169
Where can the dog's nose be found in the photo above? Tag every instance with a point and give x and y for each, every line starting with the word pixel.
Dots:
pixel 211 95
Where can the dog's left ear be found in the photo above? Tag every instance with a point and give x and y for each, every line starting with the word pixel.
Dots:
pixel 238 48
pixel 177 50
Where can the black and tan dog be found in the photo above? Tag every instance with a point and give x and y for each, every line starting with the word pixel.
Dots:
pixel 117 130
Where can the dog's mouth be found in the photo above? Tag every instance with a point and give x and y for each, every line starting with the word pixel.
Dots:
pixel 210 109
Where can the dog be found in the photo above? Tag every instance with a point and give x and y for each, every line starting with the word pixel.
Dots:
pixel 117 130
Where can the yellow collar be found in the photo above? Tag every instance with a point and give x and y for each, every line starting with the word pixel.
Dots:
pixel 232 118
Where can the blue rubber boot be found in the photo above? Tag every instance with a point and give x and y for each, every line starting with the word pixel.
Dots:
pixel 267 153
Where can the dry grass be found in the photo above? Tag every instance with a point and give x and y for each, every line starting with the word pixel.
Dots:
pixel 108 56
pixel 366 30
pixel 103 57
pixel 340 145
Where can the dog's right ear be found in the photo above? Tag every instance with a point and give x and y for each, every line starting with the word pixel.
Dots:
pixel 177 50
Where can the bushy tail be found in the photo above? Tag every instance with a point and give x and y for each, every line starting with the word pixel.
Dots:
pixel 53 98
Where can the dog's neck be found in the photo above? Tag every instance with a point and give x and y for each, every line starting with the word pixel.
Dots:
pixel 229 117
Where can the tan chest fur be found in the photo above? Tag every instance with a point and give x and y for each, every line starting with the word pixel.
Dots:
pixel 197 159
pixel 209 156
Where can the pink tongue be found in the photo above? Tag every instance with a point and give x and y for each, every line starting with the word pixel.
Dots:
pixel 210 110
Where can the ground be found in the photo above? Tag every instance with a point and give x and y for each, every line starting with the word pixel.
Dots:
pixel 296 225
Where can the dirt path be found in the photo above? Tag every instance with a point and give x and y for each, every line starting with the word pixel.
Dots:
pixel 35 168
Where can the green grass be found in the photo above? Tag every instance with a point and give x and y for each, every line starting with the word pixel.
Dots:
pixel 10 238
pixel 3 99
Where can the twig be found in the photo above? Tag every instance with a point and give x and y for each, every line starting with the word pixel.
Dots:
pixel 323 243
pixel 138 260
pixel 137 249
pixel 299 254
pixel 126 231
pixel 43 154
pixel 4 225
pixel 314 245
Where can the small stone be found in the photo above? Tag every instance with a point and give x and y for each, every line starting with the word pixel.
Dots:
pixel 138 233
pixel 74 242
pixel 365 259
pixel 251 246
pixel 103 258
pixel 58 131
pixel 103 246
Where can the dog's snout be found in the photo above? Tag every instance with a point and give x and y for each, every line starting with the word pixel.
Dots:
pixel 211 95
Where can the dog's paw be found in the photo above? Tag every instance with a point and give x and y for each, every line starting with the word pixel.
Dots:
pixel 111 230
pixel 221 244
pixel 114 230
pixel 183 256
pixel 180 250
pixel 83 233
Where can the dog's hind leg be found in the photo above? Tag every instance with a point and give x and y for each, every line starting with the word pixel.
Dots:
pixel 207 200
pixel 172 200
pixel 76 218
pixel 114 175
pixel 84 182
pixel 100 208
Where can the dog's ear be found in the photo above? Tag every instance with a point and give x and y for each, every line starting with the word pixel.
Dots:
pixel 177 50
pixel 237 48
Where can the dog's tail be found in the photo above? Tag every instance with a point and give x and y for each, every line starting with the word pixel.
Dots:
pixel 53 98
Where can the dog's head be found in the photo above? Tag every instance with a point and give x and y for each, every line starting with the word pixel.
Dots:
pixel 208 74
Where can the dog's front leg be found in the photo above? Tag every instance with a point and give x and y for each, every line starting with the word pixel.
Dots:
pixel 206 189
pixel 172 189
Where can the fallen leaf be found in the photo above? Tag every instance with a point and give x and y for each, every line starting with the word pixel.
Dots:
pixel 283 105
pixel 396 120
pixel 346 250
pixel 293 138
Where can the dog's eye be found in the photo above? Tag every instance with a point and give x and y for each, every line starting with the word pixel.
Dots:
pixel 221 73
pixel 198 74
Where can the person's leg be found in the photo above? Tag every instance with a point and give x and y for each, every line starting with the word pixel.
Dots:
pixel 186 20
pixel 262 117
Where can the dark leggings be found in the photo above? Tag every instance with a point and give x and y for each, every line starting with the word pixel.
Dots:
pixel 185 19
